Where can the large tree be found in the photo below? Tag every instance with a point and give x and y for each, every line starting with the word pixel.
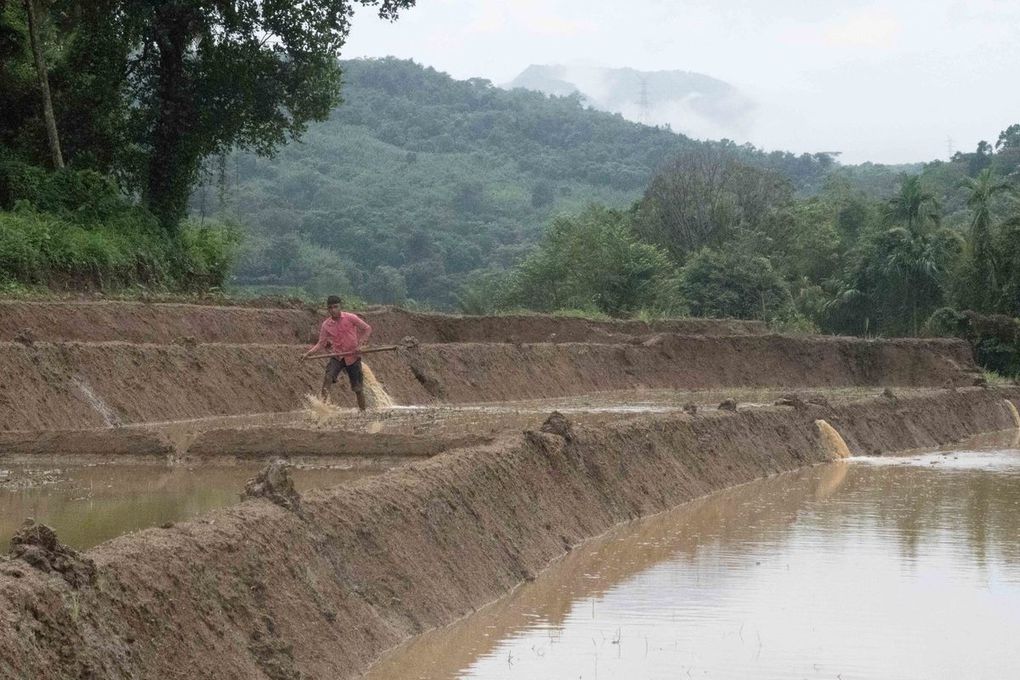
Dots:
pixel 703 196
pixel 173 82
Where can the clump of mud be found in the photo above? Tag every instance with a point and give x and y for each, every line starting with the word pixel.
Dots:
pixel 728 405
pixel 690 408
pixel 37 545
pixel 275 485
pixel 819 400
pixel 794 400
pixel 426 378
pixel 559 425
pixel 25 336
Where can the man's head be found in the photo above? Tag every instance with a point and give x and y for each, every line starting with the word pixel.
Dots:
pixel 334 305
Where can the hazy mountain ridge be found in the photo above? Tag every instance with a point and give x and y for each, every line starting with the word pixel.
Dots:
pixel 689 102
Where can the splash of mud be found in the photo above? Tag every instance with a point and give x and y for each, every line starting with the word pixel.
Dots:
pixel 321 409
pixel 109 416
pixel 832 442
pixel 374 392
pixel 1012 409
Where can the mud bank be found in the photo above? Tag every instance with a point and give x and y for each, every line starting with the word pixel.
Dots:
pixel 291 441
pixel 82 385
pixel 258 590
pixel 163 323
pixel 106 442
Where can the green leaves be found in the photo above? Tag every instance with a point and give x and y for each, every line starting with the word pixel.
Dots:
pixel 592 262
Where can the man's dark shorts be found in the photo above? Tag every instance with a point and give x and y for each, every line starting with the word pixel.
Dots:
pixel 336 366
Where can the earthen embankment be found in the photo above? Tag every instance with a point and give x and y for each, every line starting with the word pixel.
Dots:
pixel 322 590
pixel 168 323
pixel 74 385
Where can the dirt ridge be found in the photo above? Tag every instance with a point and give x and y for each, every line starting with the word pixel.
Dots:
pixel 166 323
pixel 41 385
pixel 261 590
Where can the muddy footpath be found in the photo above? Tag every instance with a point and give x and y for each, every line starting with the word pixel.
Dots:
pixel 509 441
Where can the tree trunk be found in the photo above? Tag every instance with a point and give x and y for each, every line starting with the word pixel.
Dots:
pixel 172 168
pixel 44 85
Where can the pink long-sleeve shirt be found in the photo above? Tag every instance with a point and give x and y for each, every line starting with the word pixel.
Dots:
pixel 343 335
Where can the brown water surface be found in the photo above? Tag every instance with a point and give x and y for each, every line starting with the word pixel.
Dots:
pixel 93 503
pixel 881 568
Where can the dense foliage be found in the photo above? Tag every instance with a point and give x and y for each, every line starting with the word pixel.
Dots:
pixel 142 94
pixel 736 240
pixel 420 183
pixel 73 228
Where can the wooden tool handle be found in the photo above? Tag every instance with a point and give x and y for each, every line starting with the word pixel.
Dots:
pixel 368 350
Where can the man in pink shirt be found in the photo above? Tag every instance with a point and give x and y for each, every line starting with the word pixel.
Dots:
pixel 344 333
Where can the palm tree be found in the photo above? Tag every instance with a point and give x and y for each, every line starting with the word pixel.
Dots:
pixel 913 205
pixel 984 282
pixel 910 271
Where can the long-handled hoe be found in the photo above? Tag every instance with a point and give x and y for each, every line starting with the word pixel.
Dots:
pixel 367 350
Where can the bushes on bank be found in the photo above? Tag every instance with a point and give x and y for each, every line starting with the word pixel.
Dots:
pixel 73 229
pixel 995 338
pixel 45 249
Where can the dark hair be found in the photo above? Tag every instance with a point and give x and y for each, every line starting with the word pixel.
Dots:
pixel 333 300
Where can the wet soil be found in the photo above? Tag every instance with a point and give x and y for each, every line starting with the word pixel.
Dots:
pixel 43 386
pixel 366 565
pixel 491 489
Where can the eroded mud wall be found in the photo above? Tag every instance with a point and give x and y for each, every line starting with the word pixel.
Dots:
pixel 261 591
pixel 78 385
pixel 165 323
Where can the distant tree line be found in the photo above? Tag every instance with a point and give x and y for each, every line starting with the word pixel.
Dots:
pixel 714 236
pixel 419 182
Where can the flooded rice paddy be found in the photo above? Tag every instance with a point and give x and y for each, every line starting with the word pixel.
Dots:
pixel 879 568
pixel 88 504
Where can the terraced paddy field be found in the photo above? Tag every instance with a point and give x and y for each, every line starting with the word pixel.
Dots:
pixel 496 445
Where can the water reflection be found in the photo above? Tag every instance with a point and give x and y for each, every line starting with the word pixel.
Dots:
pixel 853 570
pixel 90 504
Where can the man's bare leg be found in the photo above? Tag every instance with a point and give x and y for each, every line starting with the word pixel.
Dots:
pixel 324 392
pixel 360 395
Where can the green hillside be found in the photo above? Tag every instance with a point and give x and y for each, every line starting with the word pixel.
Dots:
pixel 418 180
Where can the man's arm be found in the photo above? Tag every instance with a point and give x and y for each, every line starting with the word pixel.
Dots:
pixel 364 330
pixel 321 344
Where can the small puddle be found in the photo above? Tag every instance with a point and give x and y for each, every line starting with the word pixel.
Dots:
pixel 87 505
pixel 876 568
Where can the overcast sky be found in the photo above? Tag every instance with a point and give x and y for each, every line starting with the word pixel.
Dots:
pixel 881 81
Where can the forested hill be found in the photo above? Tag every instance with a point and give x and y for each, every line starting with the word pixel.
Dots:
pixel 417 180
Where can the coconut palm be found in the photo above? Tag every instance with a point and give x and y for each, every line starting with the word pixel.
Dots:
pixel 913 205
pixel 982 267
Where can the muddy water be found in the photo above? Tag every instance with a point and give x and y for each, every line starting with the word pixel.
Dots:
pixel 90 504
pixel 886 568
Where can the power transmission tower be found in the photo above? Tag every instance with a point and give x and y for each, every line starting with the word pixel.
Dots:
pixel 643 106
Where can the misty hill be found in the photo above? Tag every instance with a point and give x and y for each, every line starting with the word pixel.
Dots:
pixel 693 103
pixel 419 180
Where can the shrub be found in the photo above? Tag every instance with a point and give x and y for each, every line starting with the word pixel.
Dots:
pixel 593 262
pixel 735 284
pixel 73 229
